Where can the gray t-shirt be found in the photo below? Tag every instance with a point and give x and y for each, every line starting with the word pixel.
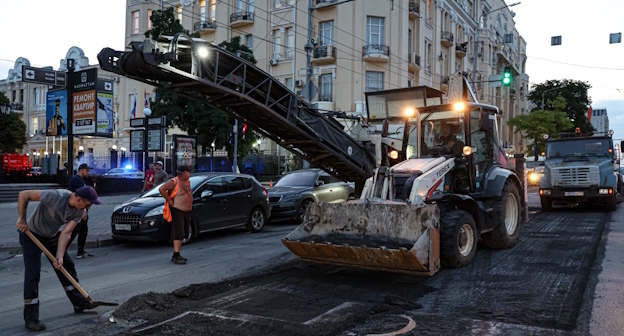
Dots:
pixel 160 177
pixel 53 212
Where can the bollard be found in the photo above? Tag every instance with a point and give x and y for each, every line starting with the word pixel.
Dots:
pixel 522 175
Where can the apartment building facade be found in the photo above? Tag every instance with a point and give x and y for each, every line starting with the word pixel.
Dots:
pixel 600 121
pixel 362 46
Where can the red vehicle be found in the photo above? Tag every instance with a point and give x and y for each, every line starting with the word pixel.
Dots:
pixel 15 163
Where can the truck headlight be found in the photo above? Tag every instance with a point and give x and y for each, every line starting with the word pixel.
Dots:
pixel 533 177
pixel 156 211
pixel 545 192
pixel 605 191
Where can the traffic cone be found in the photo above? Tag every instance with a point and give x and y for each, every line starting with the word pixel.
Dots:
pixel 271 185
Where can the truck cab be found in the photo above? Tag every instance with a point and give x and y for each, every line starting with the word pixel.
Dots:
pixel 580 169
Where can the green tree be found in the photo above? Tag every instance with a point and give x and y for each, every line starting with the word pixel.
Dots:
pixel 13 130
pixel 537 123
pixel 576 96
pixel 209 124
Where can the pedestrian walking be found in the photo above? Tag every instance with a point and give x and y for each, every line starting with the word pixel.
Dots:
pixel 161 175
pixel 178 204
pixel 56 207
pixel 149 178
pixel 82 229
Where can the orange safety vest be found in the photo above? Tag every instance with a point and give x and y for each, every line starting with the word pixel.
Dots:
pixel 172 194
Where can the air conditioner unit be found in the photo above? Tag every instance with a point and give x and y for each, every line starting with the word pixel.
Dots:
pixel 298 83
pixel 442 56
pixel 314 41
pixel 272 61
pixel 327 106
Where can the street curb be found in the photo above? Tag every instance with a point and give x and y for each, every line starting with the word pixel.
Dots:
pixel 90 244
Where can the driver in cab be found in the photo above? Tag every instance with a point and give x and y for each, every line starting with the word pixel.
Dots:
pixel 449 139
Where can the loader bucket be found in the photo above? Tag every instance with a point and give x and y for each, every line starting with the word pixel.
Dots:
pixel 372 234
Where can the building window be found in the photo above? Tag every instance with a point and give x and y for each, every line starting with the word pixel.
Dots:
pixel 374 81
pixel 213 10
pixel 290 84
pixel 409 42
pixel 250 6
pixel 179 11
pixel 277 41
pixel 34 125
pixel 325 88
pixel 22 96
pixel 239 6
pixel 375 30
pixel 326 33
pixel 149 19
pixel 429 52
pixel 290 43
pixel 14 100
pixel 135 22
pixel 35 97
pixel 203 14
pixel 249 41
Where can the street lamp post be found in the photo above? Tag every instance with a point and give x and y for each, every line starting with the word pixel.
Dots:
pixel 544 93
pixel 476 45
pixel 5 109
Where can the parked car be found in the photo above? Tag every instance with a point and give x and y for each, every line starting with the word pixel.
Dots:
pixel 124 172
pixel 294 191
pixel 36 171
pixel 535 175
pixel 220 201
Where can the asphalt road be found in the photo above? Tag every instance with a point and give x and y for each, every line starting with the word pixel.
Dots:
pixel 563 278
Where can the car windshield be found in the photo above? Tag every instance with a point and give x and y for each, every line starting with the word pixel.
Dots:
pixel 579 148
pixel 195 181
pixel 297 179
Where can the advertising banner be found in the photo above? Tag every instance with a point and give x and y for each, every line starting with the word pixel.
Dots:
pixel 105 114
pixel 84 112
pixel 185 152
pixel 56 113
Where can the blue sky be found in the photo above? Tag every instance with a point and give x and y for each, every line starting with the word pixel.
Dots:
pixel 44 35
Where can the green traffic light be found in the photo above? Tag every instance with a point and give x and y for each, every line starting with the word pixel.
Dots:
pixel 506 80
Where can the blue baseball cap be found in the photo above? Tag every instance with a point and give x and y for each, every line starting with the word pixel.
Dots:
pixel 89 194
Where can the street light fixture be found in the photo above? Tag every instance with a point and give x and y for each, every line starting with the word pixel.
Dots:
pixel 476 45
pixel 114 147
pixel 81 148
pixel 5 109
pixel 563 86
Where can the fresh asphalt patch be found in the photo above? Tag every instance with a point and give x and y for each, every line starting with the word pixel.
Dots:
pixel 535 288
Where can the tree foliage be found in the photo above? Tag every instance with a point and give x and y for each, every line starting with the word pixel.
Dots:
pixel 13 130
pixel 575 94
pixel 209 124
pixel 537 123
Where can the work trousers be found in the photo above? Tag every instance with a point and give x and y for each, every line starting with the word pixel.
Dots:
pixel 32 271
pixel 81 230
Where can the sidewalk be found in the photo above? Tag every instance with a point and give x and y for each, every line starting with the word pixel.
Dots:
pixel 99 223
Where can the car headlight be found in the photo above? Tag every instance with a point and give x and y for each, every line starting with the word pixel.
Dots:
pixel 289 196
pixel 117 207
pixel 533 177
pixel 156 211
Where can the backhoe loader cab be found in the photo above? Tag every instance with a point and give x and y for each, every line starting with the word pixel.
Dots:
pixel 441 184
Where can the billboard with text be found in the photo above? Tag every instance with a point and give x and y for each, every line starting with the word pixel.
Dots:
pixel 56 113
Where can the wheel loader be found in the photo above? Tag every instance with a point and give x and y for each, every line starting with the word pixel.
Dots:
pixel 442 183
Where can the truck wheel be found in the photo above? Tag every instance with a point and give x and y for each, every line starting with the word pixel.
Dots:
pixel 546 204
pixel 612 203
pixel 506 218
pixel 458 238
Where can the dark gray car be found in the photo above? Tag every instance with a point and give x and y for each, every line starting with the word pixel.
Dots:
pixel 293 193
pixel 220 201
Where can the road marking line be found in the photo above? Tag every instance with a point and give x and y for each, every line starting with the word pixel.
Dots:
pixel 409 327
pixel 331 312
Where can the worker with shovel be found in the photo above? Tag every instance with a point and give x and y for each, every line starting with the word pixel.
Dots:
pixel 57 207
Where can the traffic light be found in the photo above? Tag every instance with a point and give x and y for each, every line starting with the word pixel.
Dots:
pixel 506 80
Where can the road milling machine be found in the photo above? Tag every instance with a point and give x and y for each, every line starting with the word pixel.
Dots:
pixel 443 182
pixel 431 173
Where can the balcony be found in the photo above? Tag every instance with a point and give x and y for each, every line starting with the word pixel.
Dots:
pixel 414 11
pixel 16 107
pixel 325 54
pixel 325 3
pixel 413 61
pixel 204 26
pixel 376 53
pixel 461 50
pixel 444 82
pixel 447 39
pixel 241 19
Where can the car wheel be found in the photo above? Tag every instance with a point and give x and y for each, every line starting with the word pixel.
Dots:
pixel 303 208
pixel 256 220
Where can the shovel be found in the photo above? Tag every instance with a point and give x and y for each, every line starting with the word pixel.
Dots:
pixel 67 275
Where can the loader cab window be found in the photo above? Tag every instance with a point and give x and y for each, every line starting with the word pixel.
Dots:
pixel 442 129
pixel 481 141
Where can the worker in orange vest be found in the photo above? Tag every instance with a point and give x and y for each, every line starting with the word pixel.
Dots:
pixel 178 205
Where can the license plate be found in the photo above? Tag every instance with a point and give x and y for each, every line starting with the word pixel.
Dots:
pixel 122 227
pixel 574 193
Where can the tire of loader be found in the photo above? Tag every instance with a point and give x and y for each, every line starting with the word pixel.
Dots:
pixel 546 204
pixel 505 233
pixel 458 238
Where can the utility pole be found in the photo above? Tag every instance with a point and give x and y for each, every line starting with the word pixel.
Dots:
pixel 309 48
